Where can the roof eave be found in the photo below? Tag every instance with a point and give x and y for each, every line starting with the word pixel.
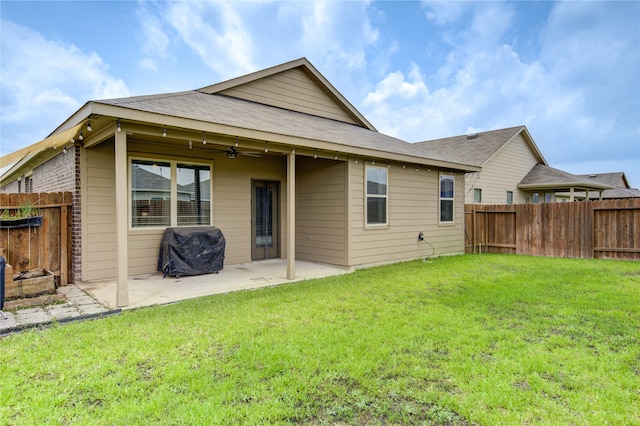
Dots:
pixel 202 126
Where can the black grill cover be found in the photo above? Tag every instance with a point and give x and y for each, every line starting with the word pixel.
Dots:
pixel 191 251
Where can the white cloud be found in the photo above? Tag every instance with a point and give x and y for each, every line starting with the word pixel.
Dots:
pixel 44 81
pixel 155 41
pixel 147 64
pixel 236 38
pixel 578 93
pixel 444 12
pixel 473 96
pixel 217 33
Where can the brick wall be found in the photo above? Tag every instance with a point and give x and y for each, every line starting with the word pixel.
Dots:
pixel 10 188
pixel 60 174
pixel 57 174
pixel 76 225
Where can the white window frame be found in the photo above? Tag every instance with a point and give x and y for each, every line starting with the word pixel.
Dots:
pixel 535 197
pixel 477 191
pixel 452 199
pixel 173 215
pixel 378 196
pixel 509 193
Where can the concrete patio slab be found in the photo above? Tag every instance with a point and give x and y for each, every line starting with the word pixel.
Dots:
pixel 153 289
pixel 77 305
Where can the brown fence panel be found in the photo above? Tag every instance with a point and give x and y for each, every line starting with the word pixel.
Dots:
pixel 601 229
pixel 616 231
pixel 45 246
pixel 490 230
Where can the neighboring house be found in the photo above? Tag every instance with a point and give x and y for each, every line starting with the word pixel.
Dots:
pixel 278 160
pixel 513 168
pixel 619 182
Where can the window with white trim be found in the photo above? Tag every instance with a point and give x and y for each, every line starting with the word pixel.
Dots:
pixel 447 186
pixel 376 206
pixel 154 195
pixel 509 197
pixel 477 196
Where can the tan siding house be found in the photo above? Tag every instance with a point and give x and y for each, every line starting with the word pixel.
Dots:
pixel 513 168
pixel 278 160
pixel 502 173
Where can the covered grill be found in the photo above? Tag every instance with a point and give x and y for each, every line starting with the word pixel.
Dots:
pixel 191 251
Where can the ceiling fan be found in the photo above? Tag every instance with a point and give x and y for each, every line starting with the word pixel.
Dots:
pixel 232 152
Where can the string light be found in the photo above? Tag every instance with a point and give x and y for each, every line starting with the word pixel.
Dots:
pixel 164 132
pixel 315 153
pixel 190 145
pixel 266 148
pixel 81 137
pixel 389 165
pixel 236 142
pixel 89 128
pixel 204 139
pixel 356 159
pixel 373 162
pixel 336 156
pixel 293 150
pixel 118 126
pixel 404 166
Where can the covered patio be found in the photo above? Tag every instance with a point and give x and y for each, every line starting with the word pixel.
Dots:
pixel 153 289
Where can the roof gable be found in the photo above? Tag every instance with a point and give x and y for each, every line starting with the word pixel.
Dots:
pixel 295 86
pixel 478 148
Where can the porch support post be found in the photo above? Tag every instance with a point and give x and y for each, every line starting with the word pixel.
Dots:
pixel 122 292
pixel 291 216
pixel 571 194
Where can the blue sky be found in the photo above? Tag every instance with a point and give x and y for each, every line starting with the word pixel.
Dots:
pixel 569 71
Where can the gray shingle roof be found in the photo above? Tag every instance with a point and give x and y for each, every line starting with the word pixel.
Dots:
pixel 612 179
pixel 469 149
pixel 617 193
pixel 240 113
pixel 543 176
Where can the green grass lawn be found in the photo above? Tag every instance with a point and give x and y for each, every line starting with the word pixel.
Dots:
pixel 475 339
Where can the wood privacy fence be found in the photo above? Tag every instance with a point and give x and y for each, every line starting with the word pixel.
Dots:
pixel 591 229
pixel 47 245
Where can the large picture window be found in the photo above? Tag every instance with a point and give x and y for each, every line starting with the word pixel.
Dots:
pixel 376 203
pixel 154 196
pixel 447 185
